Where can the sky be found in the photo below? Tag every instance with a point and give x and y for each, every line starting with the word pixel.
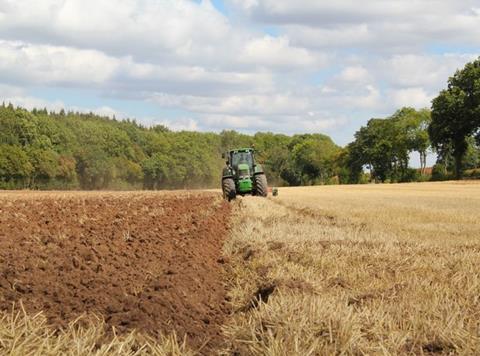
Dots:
pixel 284 66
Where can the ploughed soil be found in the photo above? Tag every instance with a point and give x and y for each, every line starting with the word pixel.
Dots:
pixel 145 261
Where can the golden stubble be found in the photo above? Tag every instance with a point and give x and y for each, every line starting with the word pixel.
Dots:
pixel 374 269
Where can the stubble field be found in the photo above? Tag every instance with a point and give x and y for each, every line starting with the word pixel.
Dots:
pixel 373 269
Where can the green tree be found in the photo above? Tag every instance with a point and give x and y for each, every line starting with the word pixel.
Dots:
pixel 14 165
pixel 456 114
pixel 374 148
pixel 128 171
pixel 66 170
pixel 472 154
pixel 311 158
pixel 412 133
pixel 45 163
pixel 156 171
pixel 95 168
pixel 272 151
pixel 383 146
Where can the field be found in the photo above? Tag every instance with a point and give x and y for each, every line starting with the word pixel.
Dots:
pixel 138 261
pixel 366 269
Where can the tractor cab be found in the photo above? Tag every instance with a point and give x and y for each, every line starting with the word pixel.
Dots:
pixel 242 161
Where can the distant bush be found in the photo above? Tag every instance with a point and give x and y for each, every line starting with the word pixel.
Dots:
pixel 472 173
pixel 411 175
pixel 439 172
pixel 424 178
pixel 365 178
pixel 4 184
pixel 333 180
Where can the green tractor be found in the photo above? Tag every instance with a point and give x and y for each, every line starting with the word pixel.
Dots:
pixel 242 175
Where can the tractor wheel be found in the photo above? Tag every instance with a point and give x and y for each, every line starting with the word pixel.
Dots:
pixel 228 187
pixel 261 185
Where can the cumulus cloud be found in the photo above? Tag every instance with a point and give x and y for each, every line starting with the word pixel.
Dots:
pixel 315 122
pixel 278 104
pixel 146 28
pixel 431 71
pixel 354 74
pixel 413 97
pixel 46 64
pixel 20 98
pixel 380 24
pixel 277 52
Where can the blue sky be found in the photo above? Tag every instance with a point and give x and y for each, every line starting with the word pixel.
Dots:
pixel 288 66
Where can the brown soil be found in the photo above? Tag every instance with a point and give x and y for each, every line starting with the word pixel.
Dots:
pixel 143 261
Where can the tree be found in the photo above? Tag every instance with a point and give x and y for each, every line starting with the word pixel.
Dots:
pixel 456 114
pixel 95 168
pixel 128 171
pixel 45 165
pixel 384 145
pixel 413 131
pixel 472 154
pixel 312 158
pixel 272 152
pixel 156 171
pixel 374 147
pixel 14 164
pixel 66 169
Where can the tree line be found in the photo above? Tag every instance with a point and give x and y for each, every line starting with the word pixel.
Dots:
pixel 70 150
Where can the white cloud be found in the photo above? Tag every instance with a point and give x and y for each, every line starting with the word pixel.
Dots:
pixel 29 102
pixel 177 124
pixel 380 25
pixel 42 64
pixel 413 97
pixel 330 37
pixel 370 100
pixel 105 111
pixel 34 64
pixel 285 124
pixel 354 74
pixel 278 104
pixel 149 28
pixel 18 97
pixel 431 71
pixel 277 52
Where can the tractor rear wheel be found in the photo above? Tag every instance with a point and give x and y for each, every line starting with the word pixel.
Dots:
pixel 228 187
pixel 261 186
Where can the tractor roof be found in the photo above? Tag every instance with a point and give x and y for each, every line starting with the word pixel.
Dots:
pixel 249 149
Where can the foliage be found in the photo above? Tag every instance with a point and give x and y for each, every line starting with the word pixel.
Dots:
pixel 15 167
pixel 46 150
pixel 383 146
pixel 439 172
pixel 456 114
pixel 311 160
pixel 473 173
